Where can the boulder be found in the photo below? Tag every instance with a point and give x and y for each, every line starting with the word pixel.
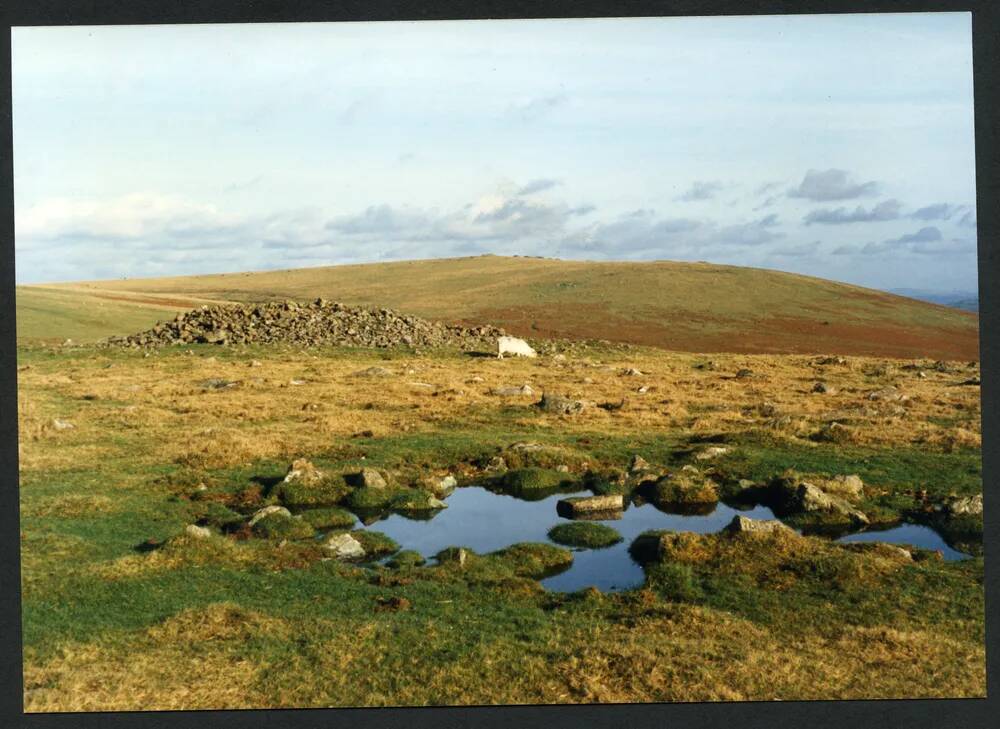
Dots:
pixel 523 390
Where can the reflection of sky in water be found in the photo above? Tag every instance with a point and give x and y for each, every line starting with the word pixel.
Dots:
pixel 917 535
pixel 485 522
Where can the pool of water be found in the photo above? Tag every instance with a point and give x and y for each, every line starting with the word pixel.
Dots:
pixel 916 535
pixel 485 521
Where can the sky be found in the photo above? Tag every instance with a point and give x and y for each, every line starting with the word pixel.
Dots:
pixel 834 146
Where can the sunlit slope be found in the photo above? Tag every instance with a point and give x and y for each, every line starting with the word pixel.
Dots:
pixel 683 306
pixel 56 314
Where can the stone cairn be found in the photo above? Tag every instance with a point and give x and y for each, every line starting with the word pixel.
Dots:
pixel 314 324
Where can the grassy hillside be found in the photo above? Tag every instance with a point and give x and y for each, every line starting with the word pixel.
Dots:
pixel 680 306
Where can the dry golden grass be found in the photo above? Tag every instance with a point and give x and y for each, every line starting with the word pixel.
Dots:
pixel 266 417
pixel 191 661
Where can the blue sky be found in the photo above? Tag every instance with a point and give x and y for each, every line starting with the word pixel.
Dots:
pixel 837 146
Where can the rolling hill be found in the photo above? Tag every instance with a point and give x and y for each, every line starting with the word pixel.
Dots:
pixel 695 307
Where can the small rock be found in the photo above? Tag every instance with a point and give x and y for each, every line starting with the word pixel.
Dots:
pixel 496 463
pixel 638 463
pixel 512 391
pixel 744 374
pixel 198 532
pixel 712 452
pixel 343 546
pixel 970 505
pixel 62 424
pixel 562 468
pixel 822 388
pixel 560 405
pixel 743 525
pixel 267 511
pixel 631 372
pixel 585 504
pixel 373 372
pixel 368 478
pixel 304 472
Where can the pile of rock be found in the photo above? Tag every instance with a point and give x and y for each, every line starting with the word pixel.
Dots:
pixel 317 323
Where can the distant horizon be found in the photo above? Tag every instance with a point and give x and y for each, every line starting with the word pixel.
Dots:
pixel 909 292
pixel 758 141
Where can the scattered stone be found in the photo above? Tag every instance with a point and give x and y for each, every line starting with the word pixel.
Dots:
pixel 631 372
pixel 823 388
pixel 560 405
pixel 474 379
pixel 303 471
pixel 216 383
pixel 850 487
pixel 709 365
pixel 613 406
pixel 197 532
pixel 375 371
pixel 970 505
pixel 812 498
pixel 512 391
pixel 297 382
pixel 62 424
pixel 643 390
pixel 712 452
pixel 971 381
pixel 744 374
pixel 255 363
pixel 367 478
pixel 831 361
pixel 344 546
pixel 440 487
pixel 744 525
pixel 887 394
pixel 267 511
pixel 586 504
pixel 637 464
pixel 496 463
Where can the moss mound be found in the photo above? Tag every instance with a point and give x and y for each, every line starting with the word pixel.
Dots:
pixel 406 559
pixel 376 544
pixel 584 534
pixel 533 483
pixel 535 559
pixel 279 526
pixel 682 489
pixel 329 518
pixel 369 498
pixel 324 493
pixel 212 513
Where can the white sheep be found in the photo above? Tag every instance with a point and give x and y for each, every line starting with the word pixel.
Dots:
pixel 515 346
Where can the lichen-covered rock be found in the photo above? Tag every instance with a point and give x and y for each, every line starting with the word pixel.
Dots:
pixel 968 506
pixel 198 532
pixel 367 478
pixel 578 505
